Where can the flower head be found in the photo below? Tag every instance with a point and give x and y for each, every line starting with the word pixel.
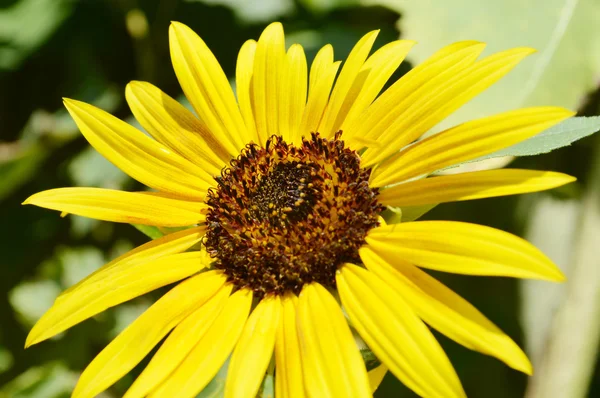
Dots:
pixel 286 253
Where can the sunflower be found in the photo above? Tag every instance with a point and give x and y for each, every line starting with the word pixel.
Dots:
pixel 286 256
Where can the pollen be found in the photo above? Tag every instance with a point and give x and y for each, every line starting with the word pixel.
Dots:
pixel 284 215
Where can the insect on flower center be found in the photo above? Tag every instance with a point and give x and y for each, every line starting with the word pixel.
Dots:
pixel 284 215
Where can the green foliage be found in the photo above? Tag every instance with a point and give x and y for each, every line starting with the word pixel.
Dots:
pixel 255 11
pixel 76 264
pixel 412 213
pixel 6 359
pixel 31 299
pixel 322 6
pixel 556 137
pixel 20 168
pixel 216 387
pixel 149 230
pixel 154 232
pixel 26 25
pixel 267 389
pixel 51 380
pixel 91 169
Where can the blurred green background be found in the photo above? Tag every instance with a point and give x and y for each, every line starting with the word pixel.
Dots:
pixel 90 49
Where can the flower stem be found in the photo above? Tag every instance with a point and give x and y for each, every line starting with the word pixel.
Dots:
pixel 568 361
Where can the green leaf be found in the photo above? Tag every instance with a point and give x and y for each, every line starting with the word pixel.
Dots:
pixel 52 379
pixel 90 168
pixel 20 169
pixel 255 11
pixel 395 215
pixel 31 300
pixel 411 213
pixel 392 215
pixel 157 232
pixel 44 133
pixel 371 361
pixel 148 230
pixel 323 6
pixel 6 359
pixel 26 25
pixel 125 314
pixel 78 262
pixel 267 389
pixel 216 387
pixel 566 34
pixel 558 136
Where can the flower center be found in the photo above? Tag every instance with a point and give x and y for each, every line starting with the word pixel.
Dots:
pixel 284 215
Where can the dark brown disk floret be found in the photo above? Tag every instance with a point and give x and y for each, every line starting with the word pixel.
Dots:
pixel 284 215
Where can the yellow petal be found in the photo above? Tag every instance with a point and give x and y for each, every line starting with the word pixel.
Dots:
pixel 322 75
pixel 204 361
pixel 254 350
pixel 178 345
pixel 206 86
pixel 331 361
pixel 136 341
pixel 335 112
pixel 462 248
pixel 374 74
pixel 321 63
pixel 138 155
pixel 172 243
pixel 269 61
pixel 449 50
pixel 468 186
pixel 174 126
pixel 289 382
pixel 467 141
pixel 293 94
pixel 396 100
pixel 153 265
pixel 446 311
pixel 395 334
pixel 244 69
pixel 120 206
pixel 376 376
pixel 439 97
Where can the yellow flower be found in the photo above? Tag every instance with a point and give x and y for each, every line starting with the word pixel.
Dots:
pixel 286 221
